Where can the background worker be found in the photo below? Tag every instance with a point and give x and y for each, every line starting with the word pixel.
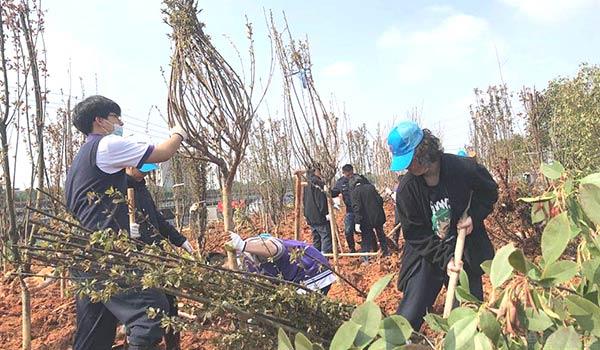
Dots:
pixel 152 228
pixel 369 215
pixel 271 256
pixel 98 166
pixel 431 199
pixel 316 212
pixel 342 187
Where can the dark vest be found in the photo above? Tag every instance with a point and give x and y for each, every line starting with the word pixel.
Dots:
pixel 86 190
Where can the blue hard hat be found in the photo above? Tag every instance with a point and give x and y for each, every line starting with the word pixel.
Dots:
pixel 403 140
pixel 461 152
pixel 148 167
pixel 265 235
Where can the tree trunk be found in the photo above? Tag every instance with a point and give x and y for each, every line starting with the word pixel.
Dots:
pixel 25 316
pixel 297 206
pixel 199 183
pixel 226 178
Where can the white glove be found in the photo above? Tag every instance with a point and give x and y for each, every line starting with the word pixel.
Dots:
pixel 177 129
pixel 134 230
pixel 328 217
pixel 237 242
pixel 388 192
pixel 187 246
pixel 357 228
pixel 337 202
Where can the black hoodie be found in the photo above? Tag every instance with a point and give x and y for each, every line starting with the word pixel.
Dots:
pixel 459 177
pixel 315 201
pixel 153 226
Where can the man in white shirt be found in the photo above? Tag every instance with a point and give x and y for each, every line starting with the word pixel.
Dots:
pixel 98 167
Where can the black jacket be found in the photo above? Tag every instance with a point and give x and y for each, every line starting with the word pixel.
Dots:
pixel 342 186
pixel 315 202
pixel 153 226
pixel 460 176
pixel 367 205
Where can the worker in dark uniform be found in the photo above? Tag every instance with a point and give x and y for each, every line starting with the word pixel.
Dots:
pixel 152 228
pixel 99 166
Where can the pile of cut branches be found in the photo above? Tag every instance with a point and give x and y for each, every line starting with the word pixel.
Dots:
pixel 246 308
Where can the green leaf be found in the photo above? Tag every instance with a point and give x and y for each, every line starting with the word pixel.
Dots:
pixel 379 286
pixel 589 197
pixel 559 272
pixel 345 335
pixel 481 342
pixel 553 170
pixel 283 342
pixel 501 270
pixel 381 344
pixel 537 321
pixel 318 347
pixel 436 322
pixel 564 338
pixel 460 313
pixel 539 212
pixel 461 332
pixel 463 279
pixel 368 316
pixel 302 342
pixel 395 330
pixel 464 295
pixel 486 266
pixel 518 261
pixel 591 270
pixel 489 325
pixel 543 198
pixel 585 312
pixel 555 237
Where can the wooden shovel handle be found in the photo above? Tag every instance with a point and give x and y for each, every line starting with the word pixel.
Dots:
pixel 458 253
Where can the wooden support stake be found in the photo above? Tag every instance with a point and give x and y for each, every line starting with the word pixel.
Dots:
pixel 231 257
pixel 353 254
pixel 131 204
pixel 332 223
pixel 297 205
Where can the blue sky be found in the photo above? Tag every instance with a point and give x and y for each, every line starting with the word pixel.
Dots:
pixel 380 59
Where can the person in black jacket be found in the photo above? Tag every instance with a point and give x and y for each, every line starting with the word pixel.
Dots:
pixel 369 216
pixel 431 199
pixel 152 228
pixel 315 210
pixel 342 187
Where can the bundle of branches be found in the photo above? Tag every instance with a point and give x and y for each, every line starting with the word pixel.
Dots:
pixel 247 309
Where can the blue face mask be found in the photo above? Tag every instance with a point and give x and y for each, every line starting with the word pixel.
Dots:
pixel 117 130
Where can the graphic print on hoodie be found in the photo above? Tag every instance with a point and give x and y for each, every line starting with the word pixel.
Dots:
pixel 441 212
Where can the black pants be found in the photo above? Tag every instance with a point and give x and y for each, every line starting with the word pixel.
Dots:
pixel 172 338
pixel 423 287
pixel 97 322
pixel 369 244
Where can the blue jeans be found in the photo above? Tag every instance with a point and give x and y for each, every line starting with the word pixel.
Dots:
pixel 349 230
pixel 322 237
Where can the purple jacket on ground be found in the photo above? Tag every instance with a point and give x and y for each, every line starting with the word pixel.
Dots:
pixel 296 262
